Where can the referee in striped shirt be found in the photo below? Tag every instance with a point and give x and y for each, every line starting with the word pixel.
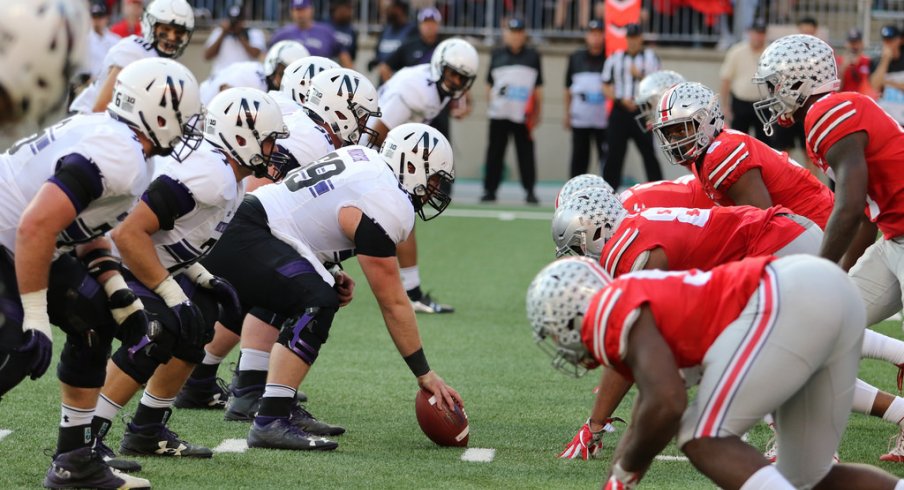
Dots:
pixel 622 72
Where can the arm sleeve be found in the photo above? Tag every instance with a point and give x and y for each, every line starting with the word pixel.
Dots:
pixel 832 119
pixel 169 199
pixel 607 69
pixel 569 72
pixel 727 163
pixel 490 70
pixel 539 68
pixel 80 179
pixel 214 34
pixel 372 240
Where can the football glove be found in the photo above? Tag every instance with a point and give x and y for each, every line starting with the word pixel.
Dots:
pixel 621 479
pixel 191 321
pixel 225 293
pixel 587 444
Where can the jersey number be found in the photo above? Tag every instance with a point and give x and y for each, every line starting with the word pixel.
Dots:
pixel 315 173
pixel 40 140
pixel 696 217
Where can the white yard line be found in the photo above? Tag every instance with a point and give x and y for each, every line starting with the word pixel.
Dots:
pixel 500 215
pixel 4 433
pixel 478 455
pixel 232 446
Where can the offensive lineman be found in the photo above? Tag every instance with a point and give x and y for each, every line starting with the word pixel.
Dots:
pixel 264 76
pixel 62 190
pixel 167 26
pixel 683 192
pixel 418 94
pixel 353 201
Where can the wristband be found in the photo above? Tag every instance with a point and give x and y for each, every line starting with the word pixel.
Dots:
pixel 170 292
pixel 198 274
pixel 35 317
pixel 100 261
pixel 417 363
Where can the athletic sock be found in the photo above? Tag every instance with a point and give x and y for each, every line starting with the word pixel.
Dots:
pixel 75 428
pixel 864 397
pixel 767 478
pixel 878 346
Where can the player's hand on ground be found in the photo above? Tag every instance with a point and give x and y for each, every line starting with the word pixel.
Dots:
pixel 345 288
pixel 446 396
pixel 40 347
pixel 588 443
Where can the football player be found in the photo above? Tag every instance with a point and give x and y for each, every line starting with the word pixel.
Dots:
pixel 418 94
pixel 31 87
pixel 277 252
pixel 730 331
pixel 264 76
pixel 335 116
pixel 297 78
pixel 860 147
pixel 683 192
pixel 62 189
pixel 166 26
pixel 733 167
pixel 649 91
pixel 178 219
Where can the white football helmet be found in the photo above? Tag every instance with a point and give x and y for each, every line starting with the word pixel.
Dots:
pixel 44 43
pixel 282 54
pixel 297 77
pixel 791 70
pixel 584 223
pixel 158 97
pixel 344 99
pixel 459 56
pixel 649 91
pixel 557 300
pixel 687 121
pixel 581 182
pixel 421 158
pixel 239 121
pixel 177 13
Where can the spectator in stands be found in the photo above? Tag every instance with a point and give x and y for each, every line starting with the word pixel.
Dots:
pixel 888 73
pixel 854 65
pixel 232 42
pixel 808 26
pixel 131 19
pixel 395 32
pixel 585 104
pixel 583 14
pixel 416 50
pixel 622 72
pixel 342 13
pixel 514 100
pixel 100 39
pixel 737 91
pixel 317 37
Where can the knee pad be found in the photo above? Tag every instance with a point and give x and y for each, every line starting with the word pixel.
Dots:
pixel 140 359
pixel 305 335
pixel 13 369
pixel 193 354
pixel 83 362
pixel 76 302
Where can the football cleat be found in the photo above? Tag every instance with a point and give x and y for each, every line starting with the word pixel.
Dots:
pixel 243 403
pixel 427 305
pixel 85 468
pixel 771 453
pixel 158 440
pixel 282 434
pixel 202 393
pixel 301 418
pixel 895 452
pixel 109 457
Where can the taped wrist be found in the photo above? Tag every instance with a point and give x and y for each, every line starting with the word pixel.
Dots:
pixel 170 292
pixel 417 363
pixel 123 301
pixel 35 317
pixel 630 478
pixel 100 261
pixel 198 274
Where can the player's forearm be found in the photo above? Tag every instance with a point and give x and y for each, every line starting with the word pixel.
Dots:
pixel 402 326
pixel 139 255
pixel 654 423
pixel 35 246
pixel 612 390
pixel 841 227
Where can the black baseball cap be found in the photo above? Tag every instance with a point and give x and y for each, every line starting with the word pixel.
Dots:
pixel 854 34
pixel 99 8
pixel 595 25
pixel 758 25
pixel 890 31
pixel 235 12
pixel 633 30
pixel 515 24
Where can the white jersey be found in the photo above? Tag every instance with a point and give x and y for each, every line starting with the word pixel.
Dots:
pixel 210 180
pixel 307 140
pixel 106 143
pixel 287 105
pixel 249 74
pixel 303 209
pixel 126 51
pixel 410 96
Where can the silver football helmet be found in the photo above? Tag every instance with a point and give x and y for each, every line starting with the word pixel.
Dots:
pixel 586 221
pixel 421 158
pixel 791 70
pixel 649 92
pixel 687 121
pixel 578 183
pixel 176 13
pixel 557 300
pixel 458 56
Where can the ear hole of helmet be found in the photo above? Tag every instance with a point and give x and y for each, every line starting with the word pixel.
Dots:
pixel 240 140
pixel 598 233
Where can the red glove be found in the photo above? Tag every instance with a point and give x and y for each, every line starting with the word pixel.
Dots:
pixel 587 444
pixel 621 479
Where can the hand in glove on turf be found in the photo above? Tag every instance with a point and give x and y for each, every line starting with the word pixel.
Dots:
pixel 38 339
pixel 191 321
pixel 621 479
pixel 587 443
pixel 225 293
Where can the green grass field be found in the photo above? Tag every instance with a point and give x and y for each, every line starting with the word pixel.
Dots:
pixel 517 404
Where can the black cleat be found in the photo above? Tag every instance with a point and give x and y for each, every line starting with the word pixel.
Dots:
pixel 303 419
pixel 244 403
pixel 281 434
pixel 202 393
pixel 158 440
pixel 109 457
pixel 84 468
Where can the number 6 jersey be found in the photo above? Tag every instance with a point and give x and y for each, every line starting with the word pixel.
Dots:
pixel 303 210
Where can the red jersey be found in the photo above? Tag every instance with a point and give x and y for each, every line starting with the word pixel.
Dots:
pixel 698 238
pixel 733 153
pixel 691 308
pixel 837 115
pixel 683 192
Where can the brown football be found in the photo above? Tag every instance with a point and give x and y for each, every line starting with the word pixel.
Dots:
pixel 443 427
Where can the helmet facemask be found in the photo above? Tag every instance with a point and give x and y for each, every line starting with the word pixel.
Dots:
pixel 567 352
pixel 455 93
pixel 779 101
pixel 363 115
pixel 681 141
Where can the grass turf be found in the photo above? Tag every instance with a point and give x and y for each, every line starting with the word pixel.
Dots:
pixel 517 404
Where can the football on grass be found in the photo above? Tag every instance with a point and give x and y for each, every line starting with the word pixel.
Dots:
pixel 444 427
